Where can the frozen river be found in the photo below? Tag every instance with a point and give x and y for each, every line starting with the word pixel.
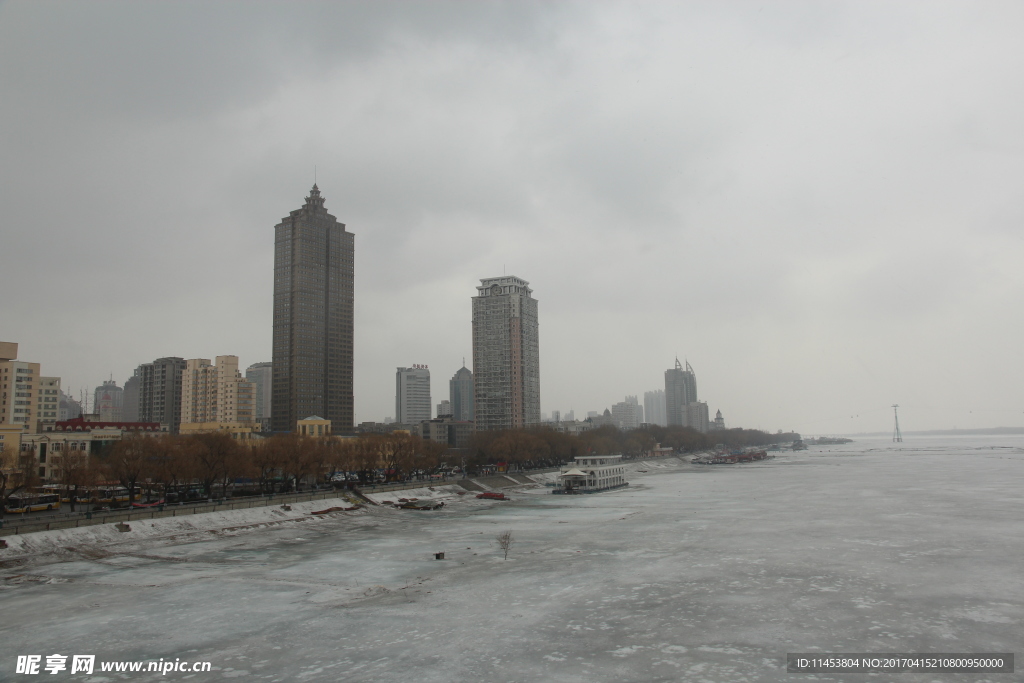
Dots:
pixel 690 574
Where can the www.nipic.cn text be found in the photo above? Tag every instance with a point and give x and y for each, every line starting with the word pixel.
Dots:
pixel 86 664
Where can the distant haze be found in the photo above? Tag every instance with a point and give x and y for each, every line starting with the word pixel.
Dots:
pixel 819 205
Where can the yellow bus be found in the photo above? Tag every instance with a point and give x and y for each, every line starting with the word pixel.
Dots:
pixel 65 492
pixel 113 495
pixel 33 502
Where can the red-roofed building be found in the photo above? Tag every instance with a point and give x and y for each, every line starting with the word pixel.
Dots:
pixel 80 424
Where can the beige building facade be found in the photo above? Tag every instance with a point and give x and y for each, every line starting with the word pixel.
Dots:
pixel 47 403
pixel 216 392
pixel 314 426
pixel 10 436
pixel 79 436
pixel 27 398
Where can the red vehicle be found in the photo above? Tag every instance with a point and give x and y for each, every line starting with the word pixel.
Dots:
pixel 491 495
pixel 147 505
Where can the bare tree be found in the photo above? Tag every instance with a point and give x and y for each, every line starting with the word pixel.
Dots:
pixel 505 541
pixel 429 455
pixel 74 472
pixel 323 457
pixel 267 460
pixel 213 455
pixel 17 472
pixel 516 446
pixel 339 457
pixel 300 459
pixel 131 459
pixel 397 452
pixel 174 464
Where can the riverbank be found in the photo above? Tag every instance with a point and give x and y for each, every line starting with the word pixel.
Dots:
pixel 148 529
pixel 689 574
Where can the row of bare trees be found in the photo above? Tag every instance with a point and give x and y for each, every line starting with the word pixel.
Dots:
pixel 545 447
pixel 276 464
pixel 217 462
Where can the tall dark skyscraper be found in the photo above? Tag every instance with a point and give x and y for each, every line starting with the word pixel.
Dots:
pixel 506 354
pixel 313 310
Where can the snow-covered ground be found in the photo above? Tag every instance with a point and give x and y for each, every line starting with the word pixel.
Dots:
pixel 691 573
pixel 425 494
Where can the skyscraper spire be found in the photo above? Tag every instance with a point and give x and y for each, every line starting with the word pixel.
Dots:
pixel 314 200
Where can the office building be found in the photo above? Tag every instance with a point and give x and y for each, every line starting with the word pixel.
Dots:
pixel 697 416
pixel 412 394
pixel 680 389
pixel 460 392
pixel 681 403
pixel 506 355
pixel 719 423
pixel 262 377
pixel 446 431
pixel 313 318
pixel 130 398
pixel 69 408
pixel 628 414
pixel 573 427
pixel 108 402
pixel 79 436
pixel 654 407
pixel 160 391
pixel 444 408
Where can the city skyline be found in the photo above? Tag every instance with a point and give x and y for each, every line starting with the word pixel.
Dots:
pixel 818 205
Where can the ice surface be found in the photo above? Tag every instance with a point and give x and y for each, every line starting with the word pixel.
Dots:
pixel 424 494
pixel 692 573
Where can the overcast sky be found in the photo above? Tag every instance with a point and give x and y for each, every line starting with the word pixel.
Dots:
pixel 819 205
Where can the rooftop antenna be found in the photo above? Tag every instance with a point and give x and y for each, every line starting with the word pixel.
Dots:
pixel 314 174
pixel 897 435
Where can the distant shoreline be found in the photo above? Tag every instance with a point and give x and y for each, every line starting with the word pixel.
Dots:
pixel 988 431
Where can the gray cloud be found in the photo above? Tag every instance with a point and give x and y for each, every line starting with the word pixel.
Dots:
pixel 817 204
